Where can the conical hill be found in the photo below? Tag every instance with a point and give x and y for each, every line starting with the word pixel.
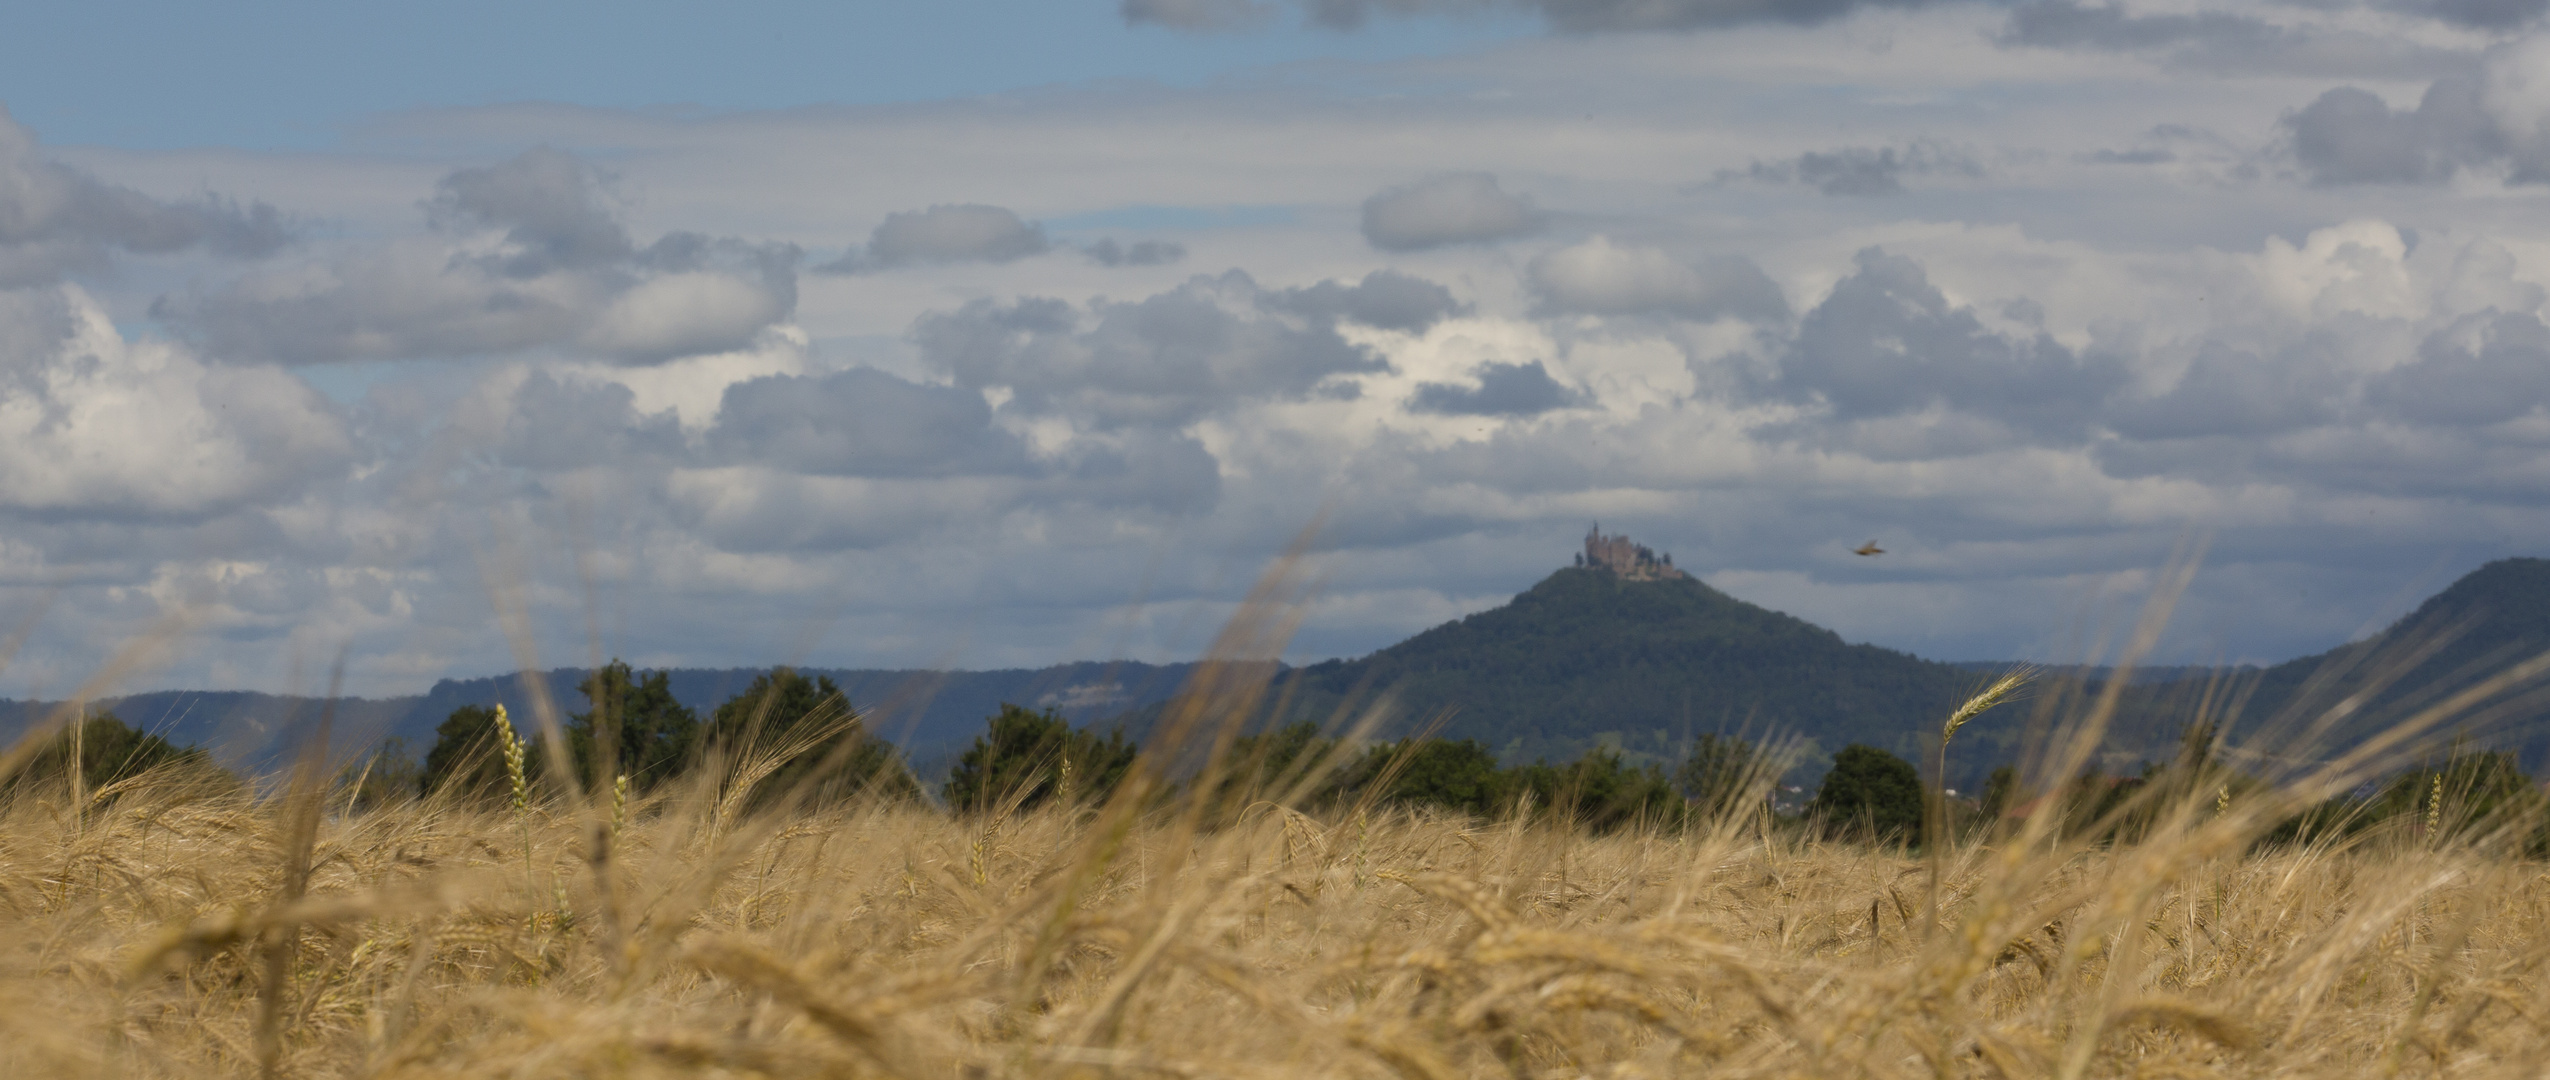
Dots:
pixel 1592 656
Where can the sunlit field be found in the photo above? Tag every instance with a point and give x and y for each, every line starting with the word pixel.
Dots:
pixel 172 929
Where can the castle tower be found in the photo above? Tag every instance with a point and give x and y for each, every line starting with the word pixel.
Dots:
pixel 1630 561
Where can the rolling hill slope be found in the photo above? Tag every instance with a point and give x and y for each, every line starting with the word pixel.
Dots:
pixel 1592 657
pixel 2480 625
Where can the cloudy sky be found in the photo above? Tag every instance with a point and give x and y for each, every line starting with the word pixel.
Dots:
pixel 1007 332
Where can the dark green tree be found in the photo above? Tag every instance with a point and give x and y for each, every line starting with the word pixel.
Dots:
pixel 1870 793
pixel 1273 764
pixel 1720 775
pixel 107 751
pixel 467 758
pixel 654 734
pixel 2108 808
pixel 2480 790
pixel 1457 775
pixel 2000 791
pixel 835 757
pixel 1603 793
pixel 389 774
pixel 1026 755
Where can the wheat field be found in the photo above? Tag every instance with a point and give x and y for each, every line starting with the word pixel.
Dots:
pixel 168 930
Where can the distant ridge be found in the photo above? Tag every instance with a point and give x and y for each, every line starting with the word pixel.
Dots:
pixel 2490 619
pixel 2098 673
pixel 928 713
pixel 1621 650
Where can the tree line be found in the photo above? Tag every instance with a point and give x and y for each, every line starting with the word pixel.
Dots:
pixel 794 734
pixel 802 739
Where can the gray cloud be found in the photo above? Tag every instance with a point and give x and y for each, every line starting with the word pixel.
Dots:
pixel 1888 343
pixel 1164 471
pixel 1165 361
pixel 2486 369
pixel 1862 170
pixel 559 425
pixel 1503 390
pixel 862 422
pixel 2062 24
pixel 2229 391
pixel 2222 42
pixel 958 233
pixel 975 233
pixel 2351 136
pixel 1384 299
pixel 2479 14
pixel 563 275
pixel 1598 277
pixel 1139 253
pixel 56 220
pixel 546 204
pixel 1454 208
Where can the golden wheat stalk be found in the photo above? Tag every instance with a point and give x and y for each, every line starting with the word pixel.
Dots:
pixel 1991 696
pixel 514 746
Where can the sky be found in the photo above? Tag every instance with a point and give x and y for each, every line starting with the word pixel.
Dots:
pixel 444 340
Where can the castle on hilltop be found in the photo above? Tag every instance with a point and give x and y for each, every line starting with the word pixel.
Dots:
pixel 1633 562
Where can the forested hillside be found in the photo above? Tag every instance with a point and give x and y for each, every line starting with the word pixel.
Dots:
pixel 1587 657
pixel 2491 619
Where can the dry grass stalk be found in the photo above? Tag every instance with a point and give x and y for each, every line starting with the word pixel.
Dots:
pixel 859 942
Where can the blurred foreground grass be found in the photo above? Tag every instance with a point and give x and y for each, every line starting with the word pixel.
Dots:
pixel 169 931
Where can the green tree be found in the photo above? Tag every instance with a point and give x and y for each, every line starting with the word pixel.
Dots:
pixel 1272 764
pixel 1721 775
pixel 1457 775
pixel 2479 791
pixel 467 758
pixel 1870 792
pixel 2108 808
pixel 2000 791
pixel 107 751
pixel 653 733
pixel 835 757
pixel 389 774
pixel 1026 755
pixel 1603 793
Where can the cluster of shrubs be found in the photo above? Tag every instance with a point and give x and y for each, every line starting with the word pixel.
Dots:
pixel 98 756
pixel 2461 794
pixel 804 729
pixel 1027 758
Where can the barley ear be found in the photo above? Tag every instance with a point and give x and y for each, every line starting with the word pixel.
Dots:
pixel 514 746
pixel 1975 706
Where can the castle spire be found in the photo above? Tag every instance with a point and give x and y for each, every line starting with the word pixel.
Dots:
pixel 1629 560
